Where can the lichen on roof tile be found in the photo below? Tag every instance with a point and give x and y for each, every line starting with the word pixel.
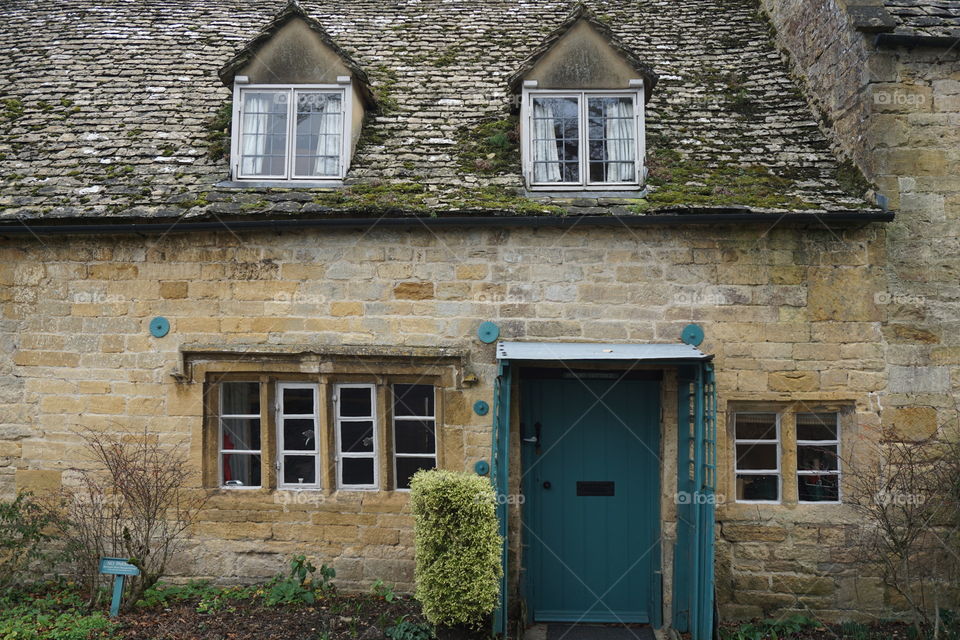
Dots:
pixel 113 108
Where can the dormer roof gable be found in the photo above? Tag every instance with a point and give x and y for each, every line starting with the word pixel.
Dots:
pixel 583 53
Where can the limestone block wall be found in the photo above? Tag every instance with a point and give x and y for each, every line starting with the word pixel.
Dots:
pixel 791 314
pixel 896 111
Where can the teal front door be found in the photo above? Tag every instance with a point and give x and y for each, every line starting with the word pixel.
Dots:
pixel 591 516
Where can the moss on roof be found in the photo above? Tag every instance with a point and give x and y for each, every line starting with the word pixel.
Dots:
pixel 114 109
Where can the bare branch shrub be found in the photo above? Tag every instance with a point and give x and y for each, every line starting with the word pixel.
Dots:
pixel 908 494
pixel 135 504
pixel 90 524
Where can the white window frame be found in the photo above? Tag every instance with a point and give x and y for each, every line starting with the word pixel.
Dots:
pixel 282 451
pixel 396 418
pixel 236 137
pixel 759 472
pixel 822 472
pixel 526 130
pixel 221 451
pixel 340 454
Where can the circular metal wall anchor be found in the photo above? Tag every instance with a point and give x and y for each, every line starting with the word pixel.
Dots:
pixel 481 408
pixel 482 467
pixel 488 332
pixel 692 334
pixel 159 327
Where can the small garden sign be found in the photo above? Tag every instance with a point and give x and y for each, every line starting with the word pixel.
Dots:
pixel 117 567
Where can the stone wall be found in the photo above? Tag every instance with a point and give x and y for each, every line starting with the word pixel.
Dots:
pixel 896 112
pixel 791 315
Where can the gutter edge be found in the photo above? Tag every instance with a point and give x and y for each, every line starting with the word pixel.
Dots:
pixel 23 227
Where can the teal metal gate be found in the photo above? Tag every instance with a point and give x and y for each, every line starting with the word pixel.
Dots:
pixel 696 504
pixel 500 474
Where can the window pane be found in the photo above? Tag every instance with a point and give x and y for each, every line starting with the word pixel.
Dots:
pixel 556 140
pixel 356 437
pixel 299 435
pixel 816 426
pixel 758 488
pixel 240 433
pixel 810 458
pixel 613 142
pixel 818 488
pixel 406 467
pixel 263 143
pixel 298 401
pixel 415 436
pixel 759 457
pixel 319 134
pixel 756 426
pixel 299 470
pixel 356 471
pixel 413 400
pixel 240 470
pixel 240 398
pixel 356 402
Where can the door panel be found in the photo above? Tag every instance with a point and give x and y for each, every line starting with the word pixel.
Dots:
pixel 591 483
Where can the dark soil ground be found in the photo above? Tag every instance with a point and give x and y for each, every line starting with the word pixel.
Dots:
pixel 337 616
pixel 366 617
pixel 340 616
pixel 881 630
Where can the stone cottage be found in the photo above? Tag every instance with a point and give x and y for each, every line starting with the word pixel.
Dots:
pixel 655 267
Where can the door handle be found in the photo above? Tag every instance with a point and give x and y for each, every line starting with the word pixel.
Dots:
pixel 535 440
pixel 536 435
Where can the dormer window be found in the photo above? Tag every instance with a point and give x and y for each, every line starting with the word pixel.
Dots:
pixel 582 97
pixel 584 139
pixel 298 105
pixel 295 132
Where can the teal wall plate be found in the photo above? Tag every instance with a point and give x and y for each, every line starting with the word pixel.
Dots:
pixel 481 408
pixel 488 332
pixel 159 327
pixel 692 334
pixel 482 467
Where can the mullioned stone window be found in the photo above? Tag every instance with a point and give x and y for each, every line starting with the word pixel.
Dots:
pixel 786 455
pixel 344 433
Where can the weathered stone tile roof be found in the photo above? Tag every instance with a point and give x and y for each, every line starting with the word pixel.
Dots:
pixel 109 109
pixel 937 18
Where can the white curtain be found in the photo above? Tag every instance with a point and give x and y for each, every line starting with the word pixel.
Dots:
pixel 256 123
pixel 237 468
pixel 621 144
pixel 328 142
pixel 546 157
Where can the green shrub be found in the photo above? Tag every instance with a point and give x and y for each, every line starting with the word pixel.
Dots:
pixel 23 525
pixel 409 630
pixel 383 590
pixel 162 594
pixel 457 546
pixel 301 587
pixel 770 629
pixel 57 614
